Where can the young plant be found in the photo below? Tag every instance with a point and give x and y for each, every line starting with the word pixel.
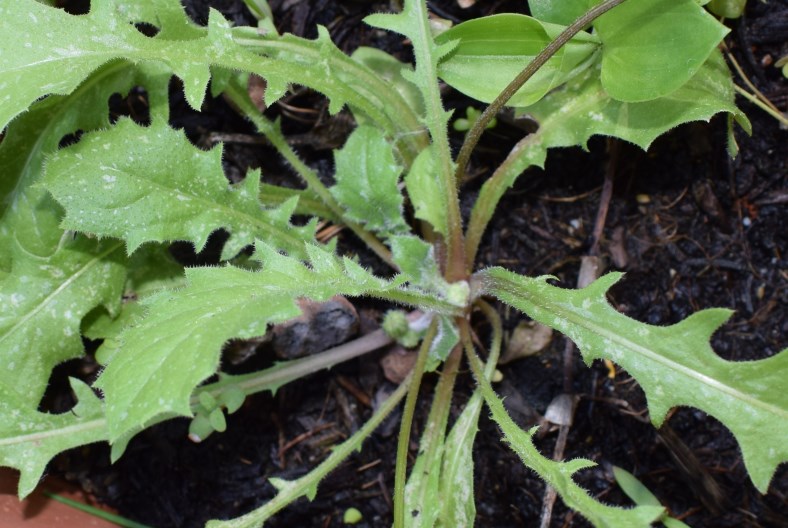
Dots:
pixel 83 225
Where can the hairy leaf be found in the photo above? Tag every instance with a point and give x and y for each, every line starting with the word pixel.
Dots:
pixel 42 302
pixel 414 24
pixel 29 439
pixel 367 177
pixel 416 261
pixel 177 345
pixel 53 279
pixel 493 50
pixel 559 474
pixel 674 364
pixel 75 46
pixel 426 192
pixel 639 61
pixel 146 184
pixel 389 69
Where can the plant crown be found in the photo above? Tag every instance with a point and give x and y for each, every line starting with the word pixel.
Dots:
pixel 84 229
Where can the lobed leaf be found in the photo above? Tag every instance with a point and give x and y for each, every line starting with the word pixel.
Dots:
pixel 146 184
pixel 75 46
pixel 491 51
pixel 42 302
pixel 367 177
pixel 177 345
pixel 674 364
pixel 559 474
pixel 30 439
pixel 435 170
pixel 52 279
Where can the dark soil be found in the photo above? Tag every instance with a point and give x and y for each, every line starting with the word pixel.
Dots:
pixel 691 227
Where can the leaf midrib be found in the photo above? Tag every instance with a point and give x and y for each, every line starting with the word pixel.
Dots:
pixel 654 356
pixel 217 206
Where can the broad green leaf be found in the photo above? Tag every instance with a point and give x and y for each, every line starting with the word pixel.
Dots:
pixel 42 302
pixel 491 51
pixel 29 439
pixel 650 48
pixel 581 109
pixel 367 178
pixel 559 474
pixel 560 11
pixel 27 212
pixel 146 184
pixel 674 364
pixel 177 345
pixel 426 192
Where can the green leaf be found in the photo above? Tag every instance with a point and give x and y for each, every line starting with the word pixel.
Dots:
pixel 146 184
pixel 389 69
pixel 75 46
pixel 416 261
pixel 42 302
pixel 641 495
pixel 445 340
pixel 674 364
pixel 727 8
pixel 30 439
pixel 177 345
pixel 559 474
pixel 367 177
pixel 634 489
pixel 652 47
pixel 52 278
pixel 438 182
pixel 581 109
pixel 28 215
pixel 290 490
pixel 560 11
pixel 426 192
pixel 493 50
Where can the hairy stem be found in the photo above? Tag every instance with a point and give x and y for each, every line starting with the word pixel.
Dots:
pixel 401 469
pixel 497 336
pixel 271 130
pixel 472 138
pixel 298 488
pixel 434 435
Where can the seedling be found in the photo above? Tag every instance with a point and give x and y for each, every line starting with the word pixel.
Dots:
pixel 81 225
